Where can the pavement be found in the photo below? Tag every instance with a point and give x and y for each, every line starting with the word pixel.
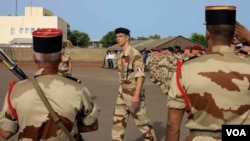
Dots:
pixel 103 84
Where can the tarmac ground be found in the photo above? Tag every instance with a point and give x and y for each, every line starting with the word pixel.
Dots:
pixel 103 84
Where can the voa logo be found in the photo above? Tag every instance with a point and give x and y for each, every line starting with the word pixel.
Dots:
pixel 236 132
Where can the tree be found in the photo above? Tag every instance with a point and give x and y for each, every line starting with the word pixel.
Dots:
pixel 142 38
pixel 156 36
pixel 199 38
pixel 68 31
pixel 109 39
pixel 79 39
pixel 132 38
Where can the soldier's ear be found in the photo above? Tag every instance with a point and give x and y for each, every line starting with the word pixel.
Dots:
pixel 60 58
pixel 34 58
pixel 207 34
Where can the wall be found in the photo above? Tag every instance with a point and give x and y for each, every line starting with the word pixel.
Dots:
pixel 10 26
pixel 77 54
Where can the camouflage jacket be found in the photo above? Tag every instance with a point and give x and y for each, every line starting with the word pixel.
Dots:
pixel 217 86
pixel 130 66
pixel 70 100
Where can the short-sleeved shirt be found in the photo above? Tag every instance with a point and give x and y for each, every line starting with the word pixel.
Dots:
pixel 130 66
pixel 68 99
pixel 217 85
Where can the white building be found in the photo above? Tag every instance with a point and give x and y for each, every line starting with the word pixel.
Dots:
pixel 16 30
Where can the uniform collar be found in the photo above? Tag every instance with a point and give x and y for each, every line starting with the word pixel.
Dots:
pixel 221 48
pixel 126 52
pixel 39 72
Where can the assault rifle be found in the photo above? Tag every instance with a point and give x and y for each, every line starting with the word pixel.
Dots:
pixel 17 71
pixel 12 66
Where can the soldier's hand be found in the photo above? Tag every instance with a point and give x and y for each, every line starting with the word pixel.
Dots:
pixel 242 34
pixel 134 101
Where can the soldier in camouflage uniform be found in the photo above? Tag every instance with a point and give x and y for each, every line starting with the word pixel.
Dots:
pixel 154 69
pixel 242 34
pixel 152 64
pixel 220 78
pixel 246 48
pixel 65 67
pixel 187 53
pixel 131 98
pixel 171 65
pixel 164 69
pixel 117 52
pixel 25 112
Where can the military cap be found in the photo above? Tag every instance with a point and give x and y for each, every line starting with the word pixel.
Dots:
pixel 238 47
pixel 197 47
pixel 171 49
pixel 158 50
pixel 216 15
pixel 243 52
pixel 177 47
pixel 188 47
pixel 152 49
pixel 47 40
pixel 122 30
pixel 246 44
pixel 165 48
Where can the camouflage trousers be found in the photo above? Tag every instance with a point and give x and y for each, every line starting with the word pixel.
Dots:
pixel 122 112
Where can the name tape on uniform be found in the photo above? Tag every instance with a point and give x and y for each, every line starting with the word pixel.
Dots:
pixel 235 132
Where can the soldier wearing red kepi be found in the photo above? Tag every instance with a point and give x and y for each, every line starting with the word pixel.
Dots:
pixel 187 53
pixel 213 88
pixel 25 113
pixel 196 51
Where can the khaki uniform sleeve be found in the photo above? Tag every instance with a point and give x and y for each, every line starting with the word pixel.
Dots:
pixel 175 99
pixel 6 119
pixel 138 66
pixel 90 109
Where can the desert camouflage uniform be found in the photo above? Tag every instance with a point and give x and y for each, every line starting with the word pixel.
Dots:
pixel 221 80
pixel 154 70
pixel 68 99
pixel 153 64
pixel 163 68
pixel 185 58
pixel 158 72
pixel 63 68
pixel 172 63
pixel 130 66
pixel 116 60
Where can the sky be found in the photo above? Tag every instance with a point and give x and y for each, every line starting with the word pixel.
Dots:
pixel 142 17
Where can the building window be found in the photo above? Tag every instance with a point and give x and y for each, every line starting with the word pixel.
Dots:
pixel 12 31
pixel 21 30
pixel 27 30
pixel 32 29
